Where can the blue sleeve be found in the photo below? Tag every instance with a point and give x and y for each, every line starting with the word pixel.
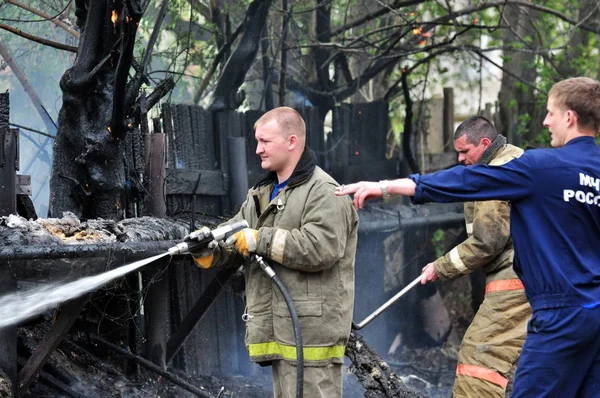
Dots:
pixel 511 181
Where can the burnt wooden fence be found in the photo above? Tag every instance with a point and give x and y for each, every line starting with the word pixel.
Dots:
pixel 203 150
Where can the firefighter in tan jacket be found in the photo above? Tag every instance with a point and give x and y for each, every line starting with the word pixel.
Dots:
pixel 492 344
pixel 309 237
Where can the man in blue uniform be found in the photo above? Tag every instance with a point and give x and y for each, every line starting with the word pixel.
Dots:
pixel 555 224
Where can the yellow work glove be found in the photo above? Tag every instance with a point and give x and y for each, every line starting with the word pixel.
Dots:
pixel 202 256
pixel 244 241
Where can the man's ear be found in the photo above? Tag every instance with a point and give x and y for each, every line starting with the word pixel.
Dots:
pixel 293 141
pixel 572 117
pixel 486 142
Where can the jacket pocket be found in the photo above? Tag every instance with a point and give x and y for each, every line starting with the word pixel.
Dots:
pixel 303 308
pixel 306 291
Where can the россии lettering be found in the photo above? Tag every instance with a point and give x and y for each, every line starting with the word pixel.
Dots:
pixel 589 198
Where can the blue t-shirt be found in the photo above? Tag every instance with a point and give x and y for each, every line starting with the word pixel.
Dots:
pixel 555 216
pixel 277 188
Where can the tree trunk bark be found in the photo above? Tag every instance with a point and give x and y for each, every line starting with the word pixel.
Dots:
pixel 88 177
pixel 90 174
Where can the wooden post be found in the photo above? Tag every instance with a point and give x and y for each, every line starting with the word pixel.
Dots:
pixel 157 312
pixel 156 173
pixel 448 119
pixel 8 205
pixel 8 157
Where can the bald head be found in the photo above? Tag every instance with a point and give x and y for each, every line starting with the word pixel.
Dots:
pixel 290 123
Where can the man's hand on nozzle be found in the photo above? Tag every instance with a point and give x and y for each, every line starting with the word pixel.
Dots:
pixel 203 256
pixel 244 241
pixel 199 234
pixel 428 274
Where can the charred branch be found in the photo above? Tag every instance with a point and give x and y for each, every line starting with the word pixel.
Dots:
pixel 217 18
pixel 283 64
pixel 408 125
pixel 198 391
pixel 139 78
pixel 36 39
pixel 47 17
pixel 321 55
pixel 81 10
pixel 240 61
pixel 222 54
pixel 33 130
pixel 37 102
pixel 143 103
pixel 129 21
pixel 88 359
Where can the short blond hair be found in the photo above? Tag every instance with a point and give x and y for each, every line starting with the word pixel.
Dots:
pixel 288 119
pixel 581 95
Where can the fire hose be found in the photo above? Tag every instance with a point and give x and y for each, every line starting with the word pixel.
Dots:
pixel 220 234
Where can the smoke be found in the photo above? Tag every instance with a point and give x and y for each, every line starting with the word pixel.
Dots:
pixel 43 69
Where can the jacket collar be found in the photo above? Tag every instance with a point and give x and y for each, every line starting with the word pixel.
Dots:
pixel 489 153
pixel 305 167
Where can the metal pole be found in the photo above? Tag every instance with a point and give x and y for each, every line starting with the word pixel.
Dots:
pixel 384 307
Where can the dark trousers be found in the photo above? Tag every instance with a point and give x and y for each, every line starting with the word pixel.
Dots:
pixel 561 355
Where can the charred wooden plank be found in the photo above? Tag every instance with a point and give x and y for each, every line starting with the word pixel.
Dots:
pixel 183 181
pixel 42 352
pixel 157 313
pixel 206 300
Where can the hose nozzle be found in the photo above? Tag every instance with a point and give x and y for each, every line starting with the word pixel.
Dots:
pixel 218 234
pixel 180 248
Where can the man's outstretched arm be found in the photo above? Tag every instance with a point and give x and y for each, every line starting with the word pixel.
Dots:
pixel 511 181
pixel 367 190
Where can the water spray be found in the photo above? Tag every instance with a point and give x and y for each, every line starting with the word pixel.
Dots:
pixel 19 306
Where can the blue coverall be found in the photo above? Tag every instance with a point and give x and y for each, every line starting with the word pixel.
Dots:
pixel 555 225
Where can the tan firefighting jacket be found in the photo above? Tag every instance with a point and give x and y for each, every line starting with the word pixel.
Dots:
pixel 489 244
pixel 309 236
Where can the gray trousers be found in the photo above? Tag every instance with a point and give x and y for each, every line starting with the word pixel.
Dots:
pixel 319 381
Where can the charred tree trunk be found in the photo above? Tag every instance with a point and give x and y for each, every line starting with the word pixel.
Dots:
pixel 91 166
pixel 87 176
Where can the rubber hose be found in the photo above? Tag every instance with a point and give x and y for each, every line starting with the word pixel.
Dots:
pixel 298 336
